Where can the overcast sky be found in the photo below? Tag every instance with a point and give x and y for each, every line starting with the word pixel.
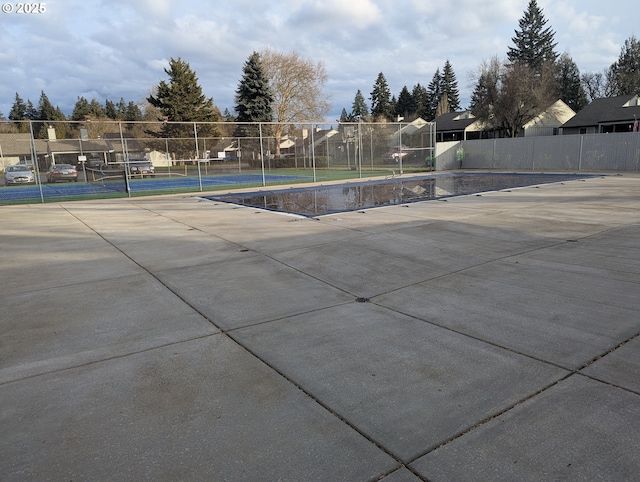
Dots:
pixel 118 48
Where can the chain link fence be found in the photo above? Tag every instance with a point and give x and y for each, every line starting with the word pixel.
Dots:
pixel 110 158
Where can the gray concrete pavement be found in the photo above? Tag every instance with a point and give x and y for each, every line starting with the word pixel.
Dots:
pixel 491 337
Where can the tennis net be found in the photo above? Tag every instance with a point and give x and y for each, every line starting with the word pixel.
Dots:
pixel 112 179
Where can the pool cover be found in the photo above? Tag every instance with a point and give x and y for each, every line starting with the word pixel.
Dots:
pixel 336 198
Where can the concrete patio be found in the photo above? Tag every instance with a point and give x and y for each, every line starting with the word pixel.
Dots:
pixel 485 337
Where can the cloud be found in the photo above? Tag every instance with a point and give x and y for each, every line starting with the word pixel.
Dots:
pixel 119 48
pixel 323 14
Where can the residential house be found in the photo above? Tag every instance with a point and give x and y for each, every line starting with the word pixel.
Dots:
pixel 610 114
pixel 548 122
pixel 461 126
pixel 14 149
pixel 458 126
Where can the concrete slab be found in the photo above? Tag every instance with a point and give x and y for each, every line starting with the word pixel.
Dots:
pixel 75 324
pixel 407 384
pixel 479 305
pixel 368 266
pixel 199 410
pixel 574 286
pixel 401 475
pixel 621 367
pixel 579 429
pixel 588 257
pixel 568 329
pixel 254 289
pixel 473 236
pixel 42 248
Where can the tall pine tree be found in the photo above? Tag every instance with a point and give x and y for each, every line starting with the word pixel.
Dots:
pixel 254 99
pixel 405 106
pixel 421 100
pixel 110 109
pixel 359 108
pixel 181 102
pixel 47 112
pixel 18 112
pixel 534 43
pixel 568 76
pixel 181 99
pixel 381 108
pixel 449 88
pixel 434 92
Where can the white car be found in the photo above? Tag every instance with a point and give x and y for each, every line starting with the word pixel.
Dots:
pixel 18 174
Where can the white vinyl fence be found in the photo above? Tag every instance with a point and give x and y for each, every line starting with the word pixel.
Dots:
pixel 591 152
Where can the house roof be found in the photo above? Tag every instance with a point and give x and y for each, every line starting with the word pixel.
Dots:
pixel 556 114
pixel 115 138
pixel 454 121
pixel 606 111
pixel 72 146
pixel 13 144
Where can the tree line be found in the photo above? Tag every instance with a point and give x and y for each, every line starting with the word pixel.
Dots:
pixel 287 89
pixel 508 93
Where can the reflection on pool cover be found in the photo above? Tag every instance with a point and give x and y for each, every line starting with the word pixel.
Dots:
pixel 318 200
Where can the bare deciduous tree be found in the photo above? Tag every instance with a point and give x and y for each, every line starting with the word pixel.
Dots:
pixel 507 96
pixel 297 86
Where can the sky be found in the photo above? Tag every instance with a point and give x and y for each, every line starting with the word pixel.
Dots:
pixel 119 48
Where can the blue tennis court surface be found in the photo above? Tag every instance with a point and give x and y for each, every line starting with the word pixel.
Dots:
pixel 70 189
pixel 319 200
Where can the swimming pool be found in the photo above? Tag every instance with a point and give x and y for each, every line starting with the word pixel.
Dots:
pixel 318 200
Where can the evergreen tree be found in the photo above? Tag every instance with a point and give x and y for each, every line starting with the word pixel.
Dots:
pixel 344 117
pixel 434 92
pixel 110 109
pixel 254 99
pixel 132 112
pixel 359 108
pixel 421 100
pixel 80 109
pixel 625 73
pixel 62 128
pixel 393 106
pixel 18 110
pixel 381 108
pixel 121 109
pixel 449 87
pixel 95 109
pixel 181 102
pixel 31 112
pixel 46 110
pixel 406 106
pixel 181 99
pixel 534 43
pixel 571 91
pixel 227 116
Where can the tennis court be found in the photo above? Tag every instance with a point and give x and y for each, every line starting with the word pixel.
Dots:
pixel 112 185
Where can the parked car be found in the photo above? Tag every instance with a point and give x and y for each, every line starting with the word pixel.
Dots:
pixel 141 167
pixel 18 174
pixel 395 155
pixel 95 163
pixel 62 172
